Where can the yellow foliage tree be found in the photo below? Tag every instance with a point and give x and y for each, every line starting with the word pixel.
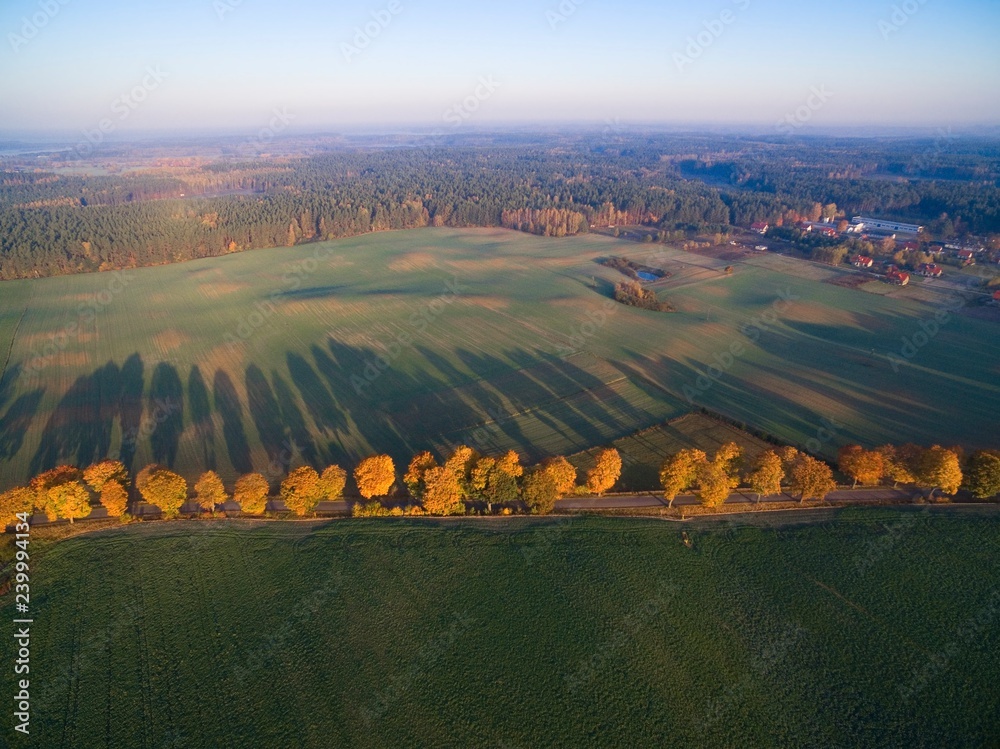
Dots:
pixel 13 502
pixel 866 467
pixel 69 500
pixel 114 499
pixel 162 488
pixel 101 473
pixel 414 478
pixel 606 471
pixel 332 483
pixel 715 483
pixel 679 473
pixel 766 477
pixel 940 468
pixel 900 462
pixel 51 479
pixel 540 491
pixel 811 478
pixel 251 493
pixel 300 491
pixel 375 476
pixel 442 492
pixel 563 472
pixel 210 491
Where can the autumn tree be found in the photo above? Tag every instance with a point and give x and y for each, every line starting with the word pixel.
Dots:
pixel 494 480
pixel 939 468
pixel 767 474
pixel 606 471
pixel 540 491
pixel 563 472
pixel 210 492
pixel 982 474
pixel 414 478
pixel 162 488
pixel 375 476
pixel 443 492
pixel 114 499
pixel 332 482
pixel 461 463
pixel 101 473
pixel 679 472
pixel 866 467
pixel 900 462
pixel 811 478
pixel 53 503
pixel 300 490
pixel 251 493
pixel 13 502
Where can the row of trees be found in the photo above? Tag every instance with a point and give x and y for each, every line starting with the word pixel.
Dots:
pixel 467 480
pixel 463 480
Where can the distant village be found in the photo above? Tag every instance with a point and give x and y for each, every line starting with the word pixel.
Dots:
pixel 901 250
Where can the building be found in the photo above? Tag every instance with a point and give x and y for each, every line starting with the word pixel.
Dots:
pixel 911 245
pixel 865 223
pixel 862 261
pixel 968 257
pixel 761 248
pixel 897 277
pixel 760 227
pixel 930 270
pixel 996 297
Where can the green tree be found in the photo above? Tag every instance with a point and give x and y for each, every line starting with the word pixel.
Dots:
pixel 540 491
pixel 982 474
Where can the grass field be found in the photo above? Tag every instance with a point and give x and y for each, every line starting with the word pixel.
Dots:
pixel 497 339
pixel 871 628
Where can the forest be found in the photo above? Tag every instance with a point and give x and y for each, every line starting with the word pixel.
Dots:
pixel 61 219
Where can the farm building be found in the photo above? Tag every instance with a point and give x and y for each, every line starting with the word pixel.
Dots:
pixel 968 257
pixel 862 261
pixel 930 270
pixel 824 230
pixel 881 225
pixel 760 227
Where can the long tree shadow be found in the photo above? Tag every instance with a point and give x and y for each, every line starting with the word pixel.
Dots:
pixel 201 417
pixel 166 401
pixel 130 406
pixel 17 421
pixel 325 414
pixel 78 430
pixel 266 414
pixel 227 403
pixel 291 415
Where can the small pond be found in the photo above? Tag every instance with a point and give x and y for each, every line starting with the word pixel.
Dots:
pixel 647 276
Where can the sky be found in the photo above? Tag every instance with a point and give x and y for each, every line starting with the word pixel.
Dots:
pixel 305 65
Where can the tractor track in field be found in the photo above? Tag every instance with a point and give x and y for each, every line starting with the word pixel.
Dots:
pixel 13 338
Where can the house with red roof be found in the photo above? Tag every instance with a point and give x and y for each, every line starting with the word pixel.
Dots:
pixel 968 257
pixel 862 261
pixel 760 227
pixel 930 270
pixel 896 276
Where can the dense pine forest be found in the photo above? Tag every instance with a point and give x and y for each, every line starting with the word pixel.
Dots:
pixel 57 221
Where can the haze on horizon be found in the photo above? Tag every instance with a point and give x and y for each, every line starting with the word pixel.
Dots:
pixel 217 64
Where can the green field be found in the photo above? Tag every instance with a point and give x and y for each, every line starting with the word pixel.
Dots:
pixel 251 361
pixel 871 628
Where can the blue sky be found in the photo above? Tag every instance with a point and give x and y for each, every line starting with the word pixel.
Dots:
pixel 231 63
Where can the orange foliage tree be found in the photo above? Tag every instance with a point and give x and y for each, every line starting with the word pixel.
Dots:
pixel 375 476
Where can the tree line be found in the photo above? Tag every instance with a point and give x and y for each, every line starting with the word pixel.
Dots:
pixel 469 482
